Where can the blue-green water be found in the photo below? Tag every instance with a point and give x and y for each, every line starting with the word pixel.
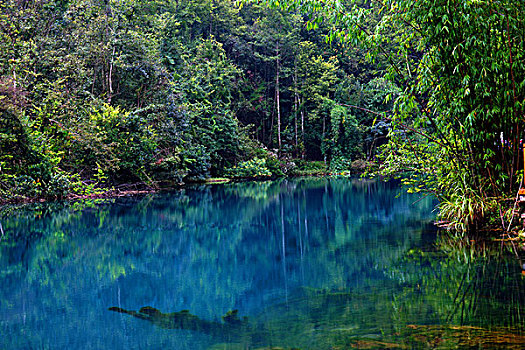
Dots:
pixel 309 263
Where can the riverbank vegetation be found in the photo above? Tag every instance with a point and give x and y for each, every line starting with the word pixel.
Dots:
pixel 95 94
pixel 457 122
pixel 100 94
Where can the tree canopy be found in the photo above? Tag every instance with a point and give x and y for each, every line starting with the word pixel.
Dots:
pixel 100 93
pixel 459 67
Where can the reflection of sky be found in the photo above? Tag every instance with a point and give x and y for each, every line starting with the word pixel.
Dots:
pixel 246 246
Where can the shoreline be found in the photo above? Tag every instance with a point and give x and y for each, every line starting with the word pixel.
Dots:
pixel 143 188
pixel 138 189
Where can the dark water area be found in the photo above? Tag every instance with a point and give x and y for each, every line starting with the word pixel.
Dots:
pixel 305 264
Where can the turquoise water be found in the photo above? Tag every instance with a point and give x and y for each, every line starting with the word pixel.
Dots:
pixel 307 264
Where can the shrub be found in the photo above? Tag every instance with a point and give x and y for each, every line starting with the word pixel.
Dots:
pixel 340 165
pixel 255 167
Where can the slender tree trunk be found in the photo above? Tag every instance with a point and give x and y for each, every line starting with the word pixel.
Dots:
pixel 272 121
pixel 277 99
pixel 109 36
pixel 515 149
pixel 295 102
pixel 110 76
pixel 323 136
pixel 303 146
pixel 263 128
pixel 94 79
pixel 211 17
pixel 272 114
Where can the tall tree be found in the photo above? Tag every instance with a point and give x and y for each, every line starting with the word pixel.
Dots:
pixel 457 124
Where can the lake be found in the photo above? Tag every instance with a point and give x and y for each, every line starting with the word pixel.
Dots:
pixel 313 263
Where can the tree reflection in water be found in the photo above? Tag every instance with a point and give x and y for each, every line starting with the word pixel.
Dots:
pixel 311 263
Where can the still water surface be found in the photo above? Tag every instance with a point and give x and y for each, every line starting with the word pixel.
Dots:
pixel 307 264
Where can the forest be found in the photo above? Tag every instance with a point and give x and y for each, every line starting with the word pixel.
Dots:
pixel 97 94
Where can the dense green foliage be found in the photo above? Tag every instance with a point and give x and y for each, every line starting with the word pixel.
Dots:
pixel 459 66
pixel 467 100
pixel 97 93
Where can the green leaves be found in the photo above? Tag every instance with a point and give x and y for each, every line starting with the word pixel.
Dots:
pixel 253 168
pixel 465 94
